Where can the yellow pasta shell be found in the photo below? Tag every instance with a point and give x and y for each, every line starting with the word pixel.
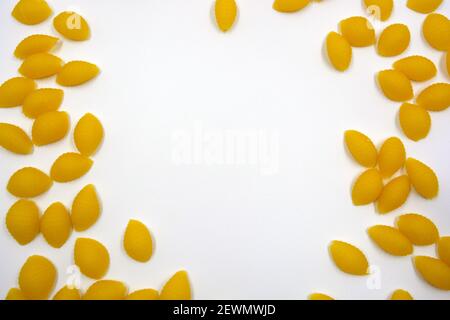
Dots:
pixel 420 230
pixel 72 26
pixel 177 287
pixel 41 65
pixel 144 294
pixel 348 258
pixel 56 226
pixel 37 278
pixel 423 178
pixel 394 194
pixel 339 51
pixel 358 31
pixel 361 148
pixel 91 257
pixel 416 68
pixel 436 97
pixel 137 241
pixel 394 40
pixel 226 11
pixel 395 85
pixel 423 6
pixel 14 139
pixel 367 187
pixel 106 290
pixel 289 6
pixel 391 157
pixel 390 240
pixel 433 271
pixel 42 101
pixel 31 12
pixel 88 134
pixel 381 9
pixel 401 295
pixel 415 121
pixel 14 91
pixel 70 166
pixel 36 43
pixel 75 73
pixel 85 208
pixel 66 293
pixel 22 221
pixel 50 127
pixel 436 31
pixel 29 182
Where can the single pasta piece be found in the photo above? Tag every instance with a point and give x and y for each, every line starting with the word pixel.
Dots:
pixel 394 194
pixel 29 182
pixel 72 26
pixel 391 157
pixel 436 97
pixel 177 287
pixel 361 148
pixel 400 294
pixel 423 178
pixel 433 271
pixel 36 43
pixel 444 249
pixel 416 68
pixel 225 11
pixel 380 9
pixel 394 40
pixel 436 30
pixel 391 240
pixel 137 241
pixel 420 230
pixel 91 257
pixel 358 31
pixel 144 294
pixel 50 127
pixel 339 51
pixel 75 73
pixel 423 6
pixel 106 290
pixel 66 293
pixel 42 101
pixel 70 166
pixel 85 208
pixel 41 65
pixel 88 134
pixel 56 226
pixel 289 6
pixel 395 85
pixel 348 258
pixel 14 91
pixel 22 221
pixel 319 296
pixel 15 294
pixel 367 187
pixel 14 139
pixel 37 278
pixel 415 121
pixel 31 12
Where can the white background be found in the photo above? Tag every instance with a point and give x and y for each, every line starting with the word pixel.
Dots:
pixel 239 234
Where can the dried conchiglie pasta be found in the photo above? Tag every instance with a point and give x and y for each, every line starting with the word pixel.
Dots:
pixel 50 127
pixel 436 97
pixel 88 134
pixel 28 182
pixel 443 247
pixel 36 43
pixel 358 31
pixel 31 12
pixel 391 240
pixel 106 290
pixel 394 194
pixel 22 221
pixel 420 230
pixel 416 68
pixel 177 287
pixel 436 30
pixel 91 257
pixel 433 271
pixel 144 294
pixel 288 6
pixel 415 121
pixel 400 294
pixel 380 9
pixel 319 296
pixel 137 241
pixel 85 208
pixel 67 293
pixel 14 139
pixel 42 101
pixel 70 166
pixel 56 226
pixel 361 148
pixel 391 157
pixel 394 40
pixel 15 294
pixel 339 51
pixel 395 85
pixel 41 65
pixel 225 11
pixel 14 91
pixel 72 26
pixel 75 73
pixel 367 187
pixel 37 278
pixel 423 6
pixel 423 178
pixel 349 258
